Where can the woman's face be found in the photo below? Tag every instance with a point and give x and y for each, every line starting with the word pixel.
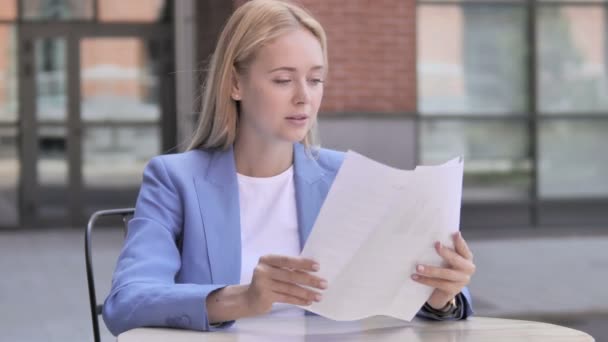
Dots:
pixel 281 90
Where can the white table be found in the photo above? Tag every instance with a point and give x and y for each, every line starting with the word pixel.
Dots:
pixel 377 329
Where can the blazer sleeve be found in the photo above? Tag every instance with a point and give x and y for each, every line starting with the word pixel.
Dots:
pixel 144 292
pixel 465 309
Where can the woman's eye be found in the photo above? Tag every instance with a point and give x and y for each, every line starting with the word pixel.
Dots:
pixel 282 81
pixel 316 80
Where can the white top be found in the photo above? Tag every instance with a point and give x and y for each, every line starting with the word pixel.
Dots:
pixel 269 225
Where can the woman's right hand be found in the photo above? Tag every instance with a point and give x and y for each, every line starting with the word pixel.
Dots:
pixel 278 279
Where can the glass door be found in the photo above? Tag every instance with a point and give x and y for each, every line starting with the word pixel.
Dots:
pixel 94 106
pixel 45 130
pixel 121 106
pixel 9 123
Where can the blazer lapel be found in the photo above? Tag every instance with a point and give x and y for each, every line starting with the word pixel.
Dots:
pixel 311 190
pixel 218 198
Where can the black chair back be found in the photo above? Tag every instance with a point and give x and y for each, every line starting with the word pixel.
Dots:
pixel 125 214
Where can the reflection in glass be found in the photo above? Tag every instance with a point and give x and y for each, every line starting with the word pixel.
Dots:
pixel 52 160
pixel 132 10
pixel 51 105
pixel 116 156
pixel 572 59
pixel 573 161
pixel 51 79
pixel 120 110
pixel 8 74
pixel 57 9
pixel 8 10
pixel 119 80
pixel 471 59
pixel 496 160
pixel 9 176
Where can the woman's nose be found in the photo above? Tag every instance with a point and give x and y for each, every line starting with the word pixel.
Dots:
pixel 302 94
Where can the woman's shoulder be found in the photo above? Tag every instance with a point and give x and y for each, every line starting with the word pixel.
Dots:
pixel 183 163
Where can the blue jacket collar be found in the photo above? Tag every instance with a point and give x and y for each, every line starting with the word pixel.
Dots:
pixel 221 169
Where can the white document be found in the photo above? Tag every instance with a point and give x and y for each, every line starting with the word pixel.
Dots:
pixel 376 225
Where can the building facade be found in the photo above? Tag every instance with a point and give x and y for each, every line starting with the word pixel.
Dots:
pixel 90 90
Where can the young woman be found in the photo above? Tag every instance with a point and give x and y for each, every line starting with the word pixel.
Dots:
pixel 217 230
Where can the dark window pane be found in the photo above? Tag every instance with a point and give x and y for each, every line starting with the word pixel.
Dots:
pixel 573 160
pixel 572 59
pixel 471 59
pixel 58 9
pixel 496 160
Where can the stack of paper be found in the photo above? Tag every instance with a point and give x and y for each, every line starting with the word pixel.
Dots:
pixel 376 225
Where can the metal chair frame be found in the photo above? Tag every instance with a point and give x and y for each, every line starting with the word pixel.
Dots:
pixel 96 309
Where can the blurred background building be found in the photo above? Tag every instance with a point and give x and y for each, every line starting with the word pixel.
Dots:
pixel 90 90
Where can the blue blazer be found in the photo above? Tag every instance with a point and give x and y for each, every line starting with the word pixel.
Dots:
pixel 184 240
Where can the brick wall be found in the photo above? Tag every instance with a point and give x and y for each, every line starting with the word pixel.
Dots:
pixel 372 54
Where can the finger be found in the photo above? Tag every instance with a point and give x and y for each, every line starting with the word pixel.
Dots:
pixel 443 273
pixel 296 263
pixel 462 247
pixel 446 286
pixel 454 259
pixel 297 277
pixel 295 291
pixel 284 298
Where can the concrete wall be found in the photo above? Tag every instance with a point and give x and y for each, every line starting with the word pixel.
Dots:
pixel 387 139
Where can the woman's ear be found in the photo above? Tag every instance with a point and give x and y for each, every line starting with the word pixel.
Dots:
pixel 236 86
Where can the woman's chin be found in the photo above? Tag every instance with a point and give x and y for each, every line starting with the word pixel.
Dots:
pixel 294 137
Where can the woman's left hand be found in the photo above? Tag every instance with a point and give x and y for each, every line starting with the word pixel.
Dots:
pixel 447 281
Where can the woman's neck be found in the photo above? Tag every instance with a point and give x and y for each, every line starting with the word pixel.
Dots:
pixel 258 159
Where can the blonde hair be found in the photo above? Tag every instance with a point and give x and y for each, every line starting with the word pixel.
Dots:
pixel 250 27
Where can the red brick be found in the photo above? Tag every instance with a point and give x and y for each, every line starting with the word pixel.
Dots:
pixel 372 54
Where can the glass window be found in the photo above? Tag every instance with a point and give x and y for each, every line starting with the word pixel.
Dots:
pixel 133 10
pixel 8 74
pixel 119 86
pixel 496 160
pixel 8 10
pixel 51 105
pixel 126 148
pixel 57 9
pixel 51 72
pixel 9 176
pixel 573 161
pixel 471 59
pixel 120 91
pixel 572 59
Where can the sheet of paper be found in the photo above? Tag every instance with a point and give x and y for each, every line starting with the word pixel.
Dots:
pixel 376 224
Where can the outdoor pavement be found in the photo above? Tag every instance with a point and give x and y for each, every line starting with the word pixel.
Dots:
pixel 557 275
